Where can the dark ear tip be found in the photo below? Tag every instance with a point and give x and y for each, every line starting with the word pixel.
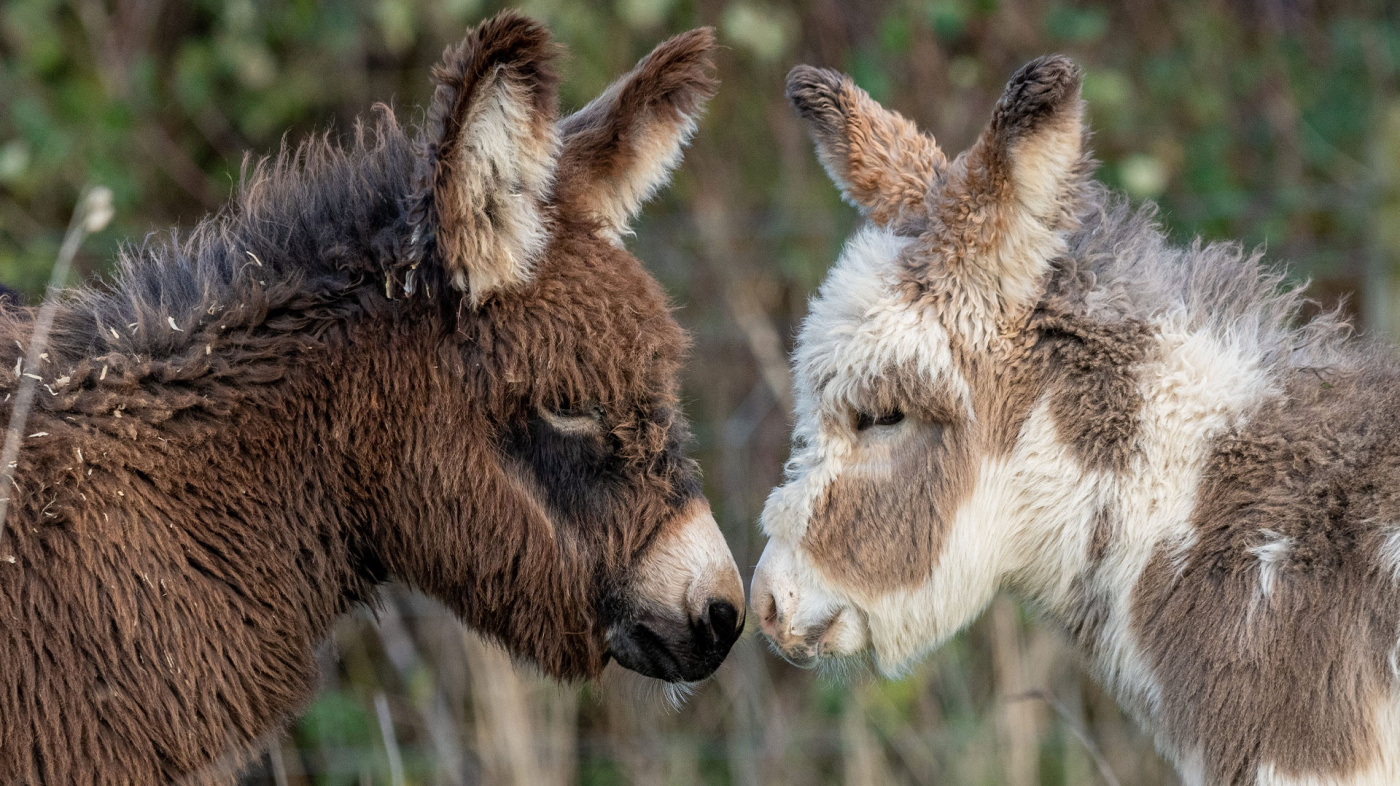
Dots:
pixel 509 38
pixel 813 91
pixel 1049 79
pixel 1038 90
pixel 1054 70
pixel 514 26
pixel 692 52
pixel 700 40
pixel 680 71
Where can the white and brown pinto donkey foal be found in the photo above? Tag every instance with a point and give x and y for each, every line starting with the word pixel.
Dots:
pixel 1010 380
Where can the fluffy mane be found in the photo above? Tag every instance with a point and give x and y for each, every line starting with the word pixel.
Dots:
pixel 247 269
pixel 1122 265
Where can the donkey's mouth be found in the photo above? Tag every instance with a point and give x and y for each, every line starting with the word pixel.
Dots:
pixel 674 650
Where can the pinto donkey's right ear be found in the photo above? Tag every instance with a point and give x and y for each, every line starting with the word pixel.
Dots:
pixel 878 158
pixel 488 156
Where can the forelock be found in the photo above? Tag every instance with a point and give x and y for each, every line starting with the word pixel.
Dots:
pixel 862 324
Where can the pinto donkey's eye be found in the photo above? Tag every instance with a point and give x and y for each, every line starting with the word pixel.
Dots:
pixel 574 418
pixel 865 420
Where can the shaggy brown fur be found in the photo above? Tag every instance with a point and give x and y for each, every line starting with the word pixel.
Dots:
pixel 254 425
pixel 1294 682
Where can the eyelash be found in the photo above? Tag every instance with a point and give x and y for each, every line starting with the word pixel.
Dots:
pixel 865 420
pixel 568 418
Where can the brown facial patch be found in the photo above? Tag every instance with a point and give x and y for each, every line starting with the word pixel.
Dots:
pixel 881 162
pixel 1089 370
pixel 1287 679
pixel 880 525
pixel 622 146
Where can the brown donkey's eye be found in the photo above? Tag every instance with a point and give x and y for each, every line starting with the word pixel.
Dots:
pixel 574 419
pixel 865 420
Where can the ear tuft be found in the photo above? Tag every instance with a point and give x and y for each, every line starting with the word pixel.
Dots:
pixel 622 147
pixel 879 159
pixel 1004 210
pixel 815 93
pixel 1039 92
pixel 488 155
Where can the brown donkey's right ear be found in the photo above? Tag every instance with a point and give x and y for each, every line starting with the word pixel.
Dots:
pixel 622 147
pixel 881 162
pixel 489 153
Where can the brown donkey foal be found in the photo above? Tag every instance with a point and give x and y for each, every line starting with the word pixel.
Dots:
pixel 424 356
pixel 1011 380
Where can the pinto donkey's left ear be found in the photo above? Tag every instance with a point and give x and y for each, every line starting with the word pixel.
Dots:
pixel 621 148
pixel 1002 214
pixel 490 147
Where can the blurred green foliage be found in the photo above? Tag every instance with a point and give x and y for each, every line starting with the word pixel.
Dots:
pixel 1270 121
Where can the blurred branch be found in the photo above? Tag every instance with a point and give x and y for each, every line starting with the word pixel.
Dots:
pixel 1020 728
pixel 1070 723
pixel 407 660
pixel 93 212
pixel 391 743
pixel 764 342
pixel 525 735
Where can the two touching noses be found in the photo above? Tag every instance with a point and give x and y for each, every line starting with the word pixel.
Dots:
pixel 691 606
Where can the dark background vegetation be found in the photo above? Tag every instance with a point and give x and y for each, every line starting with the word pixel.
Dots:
pixel 1270 121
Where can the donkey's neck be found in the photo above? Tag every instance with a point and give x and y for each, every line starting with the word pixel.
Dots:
pixel 1079 557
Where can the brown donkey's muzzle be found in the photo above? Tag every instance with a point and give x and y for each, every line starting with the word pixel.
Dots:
pixel 686 604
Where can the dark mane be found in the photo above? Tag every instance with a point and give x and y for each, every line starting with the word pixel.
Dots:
pixel 1122 265
pixel 304 229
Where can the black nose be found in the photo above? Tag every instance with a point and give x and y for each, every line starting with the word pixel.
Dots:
pixel 722 619
pixel 676 650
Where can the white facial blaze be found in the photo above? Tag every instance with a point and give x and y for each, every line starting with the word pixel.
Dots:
pixel 859 327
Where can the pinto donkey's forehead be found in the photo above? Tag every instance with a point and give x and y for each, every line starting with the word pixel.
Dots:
pixel 865 335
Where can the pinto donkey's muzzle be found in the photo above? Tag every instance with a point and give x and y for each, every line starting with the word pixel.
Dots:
pixel 686 603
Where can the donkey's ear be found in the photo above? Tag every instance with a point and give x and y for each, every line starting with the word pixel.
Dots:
pixel 621 148
pixel 1006 205
pixel 490 148
pixel 879 159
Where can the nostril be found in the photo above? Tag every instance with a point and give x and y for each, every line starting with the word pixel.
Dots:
pixel 767 607
pixel 724 618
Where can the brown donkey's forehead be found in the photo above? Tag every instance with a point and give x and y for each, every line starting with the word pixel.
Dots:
pixel 592 326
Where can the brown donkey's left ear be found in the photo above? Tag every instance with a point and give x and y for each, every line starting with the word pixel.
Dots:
pixel 490 150
pixel 622 147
